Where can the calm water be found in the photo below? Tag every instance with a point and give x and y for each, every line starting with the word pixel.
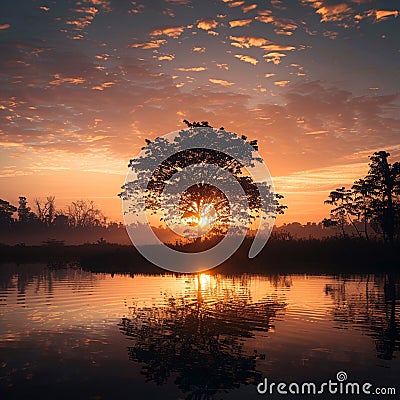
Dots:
pixel 69 333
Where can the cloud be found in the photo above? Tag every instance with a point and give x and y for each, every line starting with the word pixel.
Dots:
pixel 278 47
pixel 233 3
pixel 74 81
pixel 240 22
pixel 269 75
pixel 383 14
pixel 151 44
pixel 199 49
pixel 170 31
pixel 316 132
pixel 322 179
pixel 223 66
pixel 247 59
pixel 248 41
pixel 334 12
pixel 105 5
pixel 283 26
pixel 274 57
pixel 248 8
pixel 281 83
pixel 207 24
pixel 4 27
pixel 221 82
pixel 331 11
pixel 84 17
pixel 192 69
pixel 166 57
pixel 103 86
pixel 348 117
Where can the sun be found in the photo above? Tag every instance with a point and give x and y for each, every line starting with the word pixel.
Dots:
pixel 207 216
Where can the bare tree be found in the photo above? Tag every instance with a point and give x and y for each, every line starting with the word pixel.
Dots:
pixel 84 213
pixel 46 210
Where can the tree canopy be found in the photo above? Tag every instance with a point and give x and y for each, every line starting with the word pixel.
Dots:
pixel 373 200
pixel 198 147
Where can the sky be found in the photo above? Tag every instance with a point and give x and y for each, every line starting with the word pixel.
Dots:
pixel 83 83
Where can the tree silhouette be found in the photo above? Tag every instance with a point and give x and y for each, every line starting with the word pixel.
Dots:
pixel 6 212
pixel 344 209
pixel 383 180
pixel 202 197
pixel 374 200
pixel 46 210
pixel 84 213
pixel 25 215
pixel 362 202
pixel 198 342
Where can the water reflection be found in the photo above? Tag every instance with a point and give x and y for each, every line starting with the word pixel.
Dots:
pixel 197 341
pixel 372 304
pixel 193 336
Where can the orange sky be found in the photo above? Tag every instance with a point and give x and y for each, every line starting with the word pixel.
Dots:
pixel 83 85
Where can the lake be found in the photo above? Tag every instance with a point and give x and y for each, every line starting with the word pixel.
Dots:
pixel 69 333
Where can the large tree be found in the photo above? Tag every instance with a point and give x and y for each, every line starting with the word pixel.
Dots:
pixel 6 212
pixel 25 214
pixel 383 180
pixel 373 200
pixel 202 200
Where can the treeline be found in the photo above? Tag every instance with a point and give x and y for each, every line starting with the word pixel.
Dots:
pixel 41 222
pixel 80 213
pixel 372 202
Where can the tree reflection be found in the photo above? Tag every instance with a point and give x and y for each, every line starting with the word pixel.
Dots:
pixel 375 309
pixel 200 342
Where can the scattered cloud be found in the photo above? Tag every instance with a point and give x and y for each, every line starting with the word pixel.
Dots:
pixel 283 26
pixel 247 59
pixel 334 12
pixel 240 22
pixel 248 41
pixel 59 80
pixel 83 18
pixel 170 31
pixel 103 86
pixel 223 66
pixel 166 57
pixel 274 57
pixel 207 24
pixel 151 44
pixel 248 8
pixel 233 3
pixel 278 47
pixel 199 49
pixel 383 14
pixel 281 83
pixel 269 75
pixel 221 82
pixel 191 69
pixel 4 27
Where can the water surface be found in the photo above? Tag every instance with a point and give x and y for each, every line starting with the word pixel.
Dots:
pixel 69 333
